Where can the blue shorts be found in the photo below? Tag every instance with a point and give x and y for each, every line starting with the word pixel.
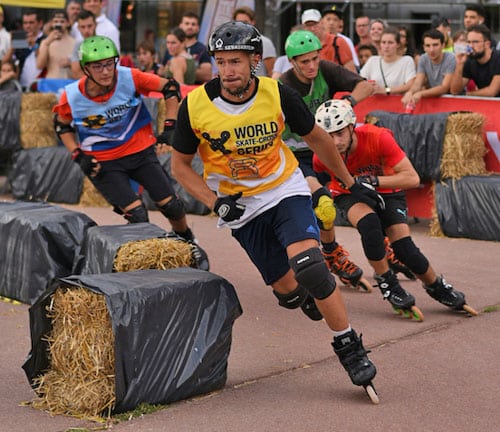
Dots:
pixel 266 237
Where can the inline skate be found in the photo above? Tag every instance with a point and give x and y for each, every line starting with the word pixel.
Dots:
pixel 445 294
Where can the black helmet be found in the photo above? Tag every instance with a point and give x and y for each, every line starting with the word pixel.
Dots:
pixel 235 36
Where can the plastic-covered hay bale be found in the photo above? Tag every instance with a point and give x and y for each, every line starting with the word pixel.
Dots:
pixel 463 146
pixel 142 336
pixel 81 379
pixel 36 120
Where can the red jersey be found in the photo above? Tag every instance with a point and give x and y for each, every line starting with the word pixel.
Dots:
pixel 376 154
pixel 144 84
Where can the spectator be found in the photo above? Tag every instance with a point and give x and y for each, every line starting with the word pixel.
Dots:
pixel 105 26
pixel 474 14
pixel 9 76
pixel 190 24
pixel 73 8
pixel 362 29
pixel 407 44
pixel 434 72
pixel 5 37
pixel 86 24
pixel 26 57
pixel 333 21
pixel 377 26
pixel 56 49
pixel 443 25
pixel 181 65
pixel 245 14
pixel 365 52
pixel 146 54
pixel 482 65
pixel 390 72
pixel 282 63
pixel 334 48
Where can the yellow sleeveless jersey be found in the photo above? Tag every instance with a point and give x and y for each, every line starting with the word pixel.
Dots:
pixel 242 152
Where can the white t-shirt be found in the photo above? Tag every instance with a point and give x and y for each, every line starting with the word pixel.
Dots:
pixel 5 42
pixel 395 73
pixel 105 27
pixel 268 50
pixel 355 58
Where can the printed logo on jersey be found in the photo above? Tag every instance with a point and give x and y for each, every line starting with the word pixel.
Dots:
pixel 94 121
pixel 217 144
pixel 254 139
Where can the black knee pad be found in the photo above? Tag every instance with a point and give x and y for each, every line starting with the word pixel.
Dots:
pixel 137 215
pixel 174 209
pixel 312 273
pixel 372 237
pixel 292 300
pixel 409 254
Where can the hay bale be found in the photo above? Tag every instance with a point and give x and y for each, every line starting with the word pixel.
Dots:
pixel 90 196
pixel 434 226
pixel 156 253
pixel 36 120
pixel 463 146
pixel 161 116
pixel 81 377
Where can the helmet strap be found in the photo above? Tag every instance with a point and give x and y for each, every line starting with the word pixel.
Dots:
pixel 346 153
pixel 106 89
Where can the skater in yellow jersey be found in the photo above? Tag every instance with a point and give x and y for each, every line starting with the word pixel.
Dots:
pixel 253 183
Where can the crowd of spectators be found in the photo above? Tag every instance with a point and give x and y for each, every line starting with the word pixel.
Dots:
pixel 380 52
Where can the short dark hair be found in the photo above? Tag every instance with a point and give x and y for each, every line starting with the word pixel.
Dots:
pixel 146 46
pixel 369 47
pixel 480 28
pixel 178 33
pixel 191 14
pixel 244 10
pixel 436 22
pixel 480 10
pixel 433 34
pixel 84 14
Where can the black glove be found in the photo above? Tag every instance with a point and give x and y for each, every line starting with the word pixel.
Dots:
pixel 228 209
pixel 86 162
pixel 370 179
pixel 168 132
pixel 366 193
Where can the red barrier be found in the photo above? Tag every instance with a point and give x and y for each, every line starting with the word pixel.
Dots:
pixel 421 200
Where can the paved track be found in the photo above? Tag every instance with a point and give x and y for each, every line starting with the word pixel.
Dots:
pixel 439 375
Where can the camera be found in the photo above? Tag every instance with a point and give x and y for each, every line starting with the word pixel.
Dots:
pixel 58 27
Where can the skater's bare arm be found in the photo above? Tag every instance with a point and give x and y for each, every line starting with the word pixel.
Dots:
pixel 405 177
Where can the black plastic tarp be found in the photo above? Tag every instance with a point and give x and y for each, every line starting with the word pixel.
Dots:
pixel 469 207
pixel 39 242
pixel 192 205
pixel 10 110
pixel 46 174
pixel 172 332
pixel 421 136
pixel 101 244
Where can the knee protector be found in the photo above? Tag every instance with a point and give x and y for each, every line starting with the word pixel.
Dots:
pixel 137 215
pixel 409 254
pixel 372 237
pixel 312 273
pixel 293 299
pixel 174 209
pixel 324 208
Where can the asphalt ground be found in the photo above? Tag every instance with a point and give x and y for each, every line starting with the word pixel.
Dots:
pixel 438 375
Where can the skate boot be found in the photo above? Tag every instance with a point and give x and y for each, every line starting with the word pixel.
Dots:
pixel 348 272
pixel 353 356
pixel 445 294
pixel 396 265
pixel 199 256
pixel 402 302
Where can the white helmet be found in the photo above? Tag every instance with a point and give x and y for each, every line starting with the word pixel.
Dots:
pixel 334 115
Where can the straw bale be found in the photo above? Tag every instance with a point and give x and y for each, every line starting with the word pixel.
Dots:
pixel 463 146
pixel 36 120
pixel 161 115
pixel 434 226
pixel 91 197
pixel 81 377
pixel 157 253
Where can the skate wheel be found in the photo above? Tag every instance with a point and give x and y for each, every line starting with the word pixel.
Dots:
pixel 417 313
pixel 372 394
pixel 364 285
pixel 470 310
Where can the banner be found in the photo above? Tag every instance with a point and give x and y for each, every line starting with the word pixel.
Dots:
pixel 47 4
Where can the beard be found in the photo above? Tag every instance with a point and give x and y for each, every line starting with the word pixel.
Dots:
pixel 477 55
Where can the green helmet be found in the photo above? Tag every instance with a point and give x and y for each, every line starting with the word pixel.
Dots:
pixel 301 42
pixel 96 48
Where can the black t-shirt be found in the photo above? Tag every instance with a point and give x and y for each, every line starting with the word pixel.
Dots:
pixel 482 74
pixel 297 115
pixel 337 77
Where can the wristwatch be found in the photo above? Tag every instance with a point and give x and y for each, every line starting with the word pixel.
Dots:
pixel 387 91
pixel 351 100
